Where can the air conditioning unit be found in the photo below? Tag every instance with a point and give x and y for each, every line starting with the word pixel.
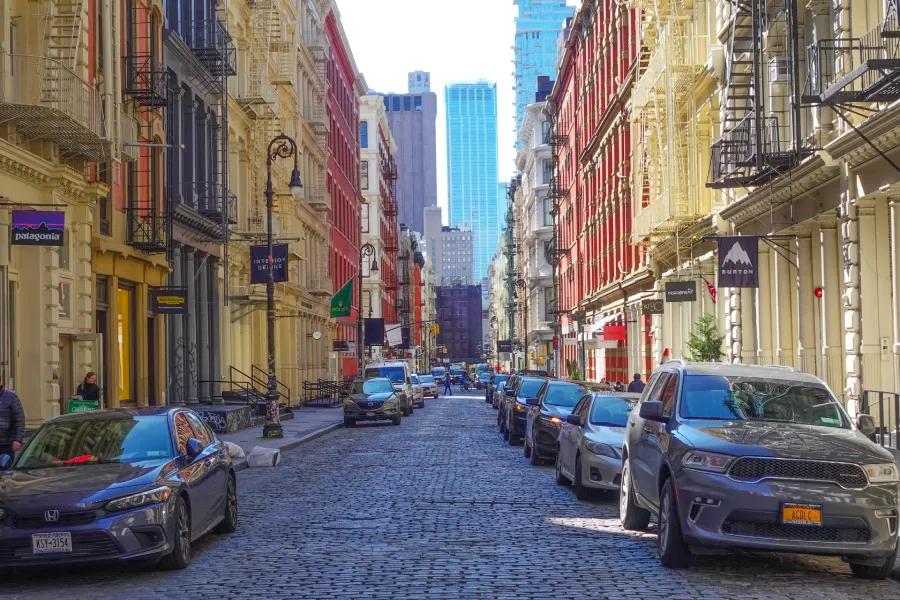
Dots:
pixel 779 70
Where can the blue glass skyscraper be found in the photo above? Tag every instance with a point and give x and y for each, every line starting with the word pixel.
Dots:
pixel 472 171
pixel 537 33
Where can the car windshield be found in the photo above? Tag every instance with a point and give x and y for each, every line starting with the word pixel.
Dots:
pixel 484 376
pixel 564 394
pixel 371 386
pixel 611 411
pixel 499 380
pixel 415 379
pixel 95 441
pixel 530 388
pixel 758 399
pixel 427 378
pixel 456 372
pixel 438 372
pixel 395 374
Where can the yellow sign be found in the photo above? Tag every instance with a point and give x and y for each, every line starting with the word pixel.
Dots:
pixel 436 329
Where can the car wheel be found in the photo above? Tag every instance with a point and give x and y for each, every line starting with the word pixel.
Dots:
pixel 397 420
pixel 526 449
pixel 534 459
pixel 229 523
pixel 869 571
pixel 505 430
pixel 673 552
pixel 560 478
pixel 348 422
pixel 631 516
pixel 181 544
pixel 513 439
pixel 581 492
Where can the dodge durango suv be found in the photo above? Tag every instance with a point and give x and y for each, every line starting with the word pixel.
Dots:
pixel 760 458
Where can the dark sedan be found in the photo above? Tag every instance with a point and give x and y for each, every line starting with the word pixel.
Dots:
pixel 114 486
pixel 515 407
pixel 494 388
pixel 546 416
pixel 372 400
pixel 483 380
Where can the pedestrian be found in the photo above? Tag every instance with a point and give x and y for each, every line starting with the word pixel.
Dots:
pixel 447 389
pixel 12 421
pixel 619 387
pixel 636 386
pixel 88 390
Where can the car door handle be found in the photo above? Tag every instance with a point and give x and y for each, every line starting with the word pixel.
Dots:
pixel 647 429
pixel 631 424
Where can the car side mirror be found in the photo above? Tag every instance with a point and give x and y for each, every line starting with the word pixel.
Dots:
pixel 865 424
pixel 5 462
pixel 508 390
pixel 193 448
pixel 574 420
pixel 652 410
pixel 533 402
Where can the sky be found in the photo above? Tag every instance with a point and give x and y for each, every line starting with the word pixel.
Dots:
pixel 462 40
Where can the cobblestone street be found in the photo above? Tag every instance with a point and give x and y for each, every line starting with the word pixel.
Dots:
pixel 439 507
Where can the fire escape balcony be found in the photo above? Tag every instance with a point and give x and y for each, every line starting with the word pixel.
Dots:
pixel 216 203
pixel 44 99
pixel 146 80
pixel 260 98
pixel 734 161
pixel 128 137
pixel 286 71
pixel 213 46
pixel 320 283
pixel 148 229
pixel 863 69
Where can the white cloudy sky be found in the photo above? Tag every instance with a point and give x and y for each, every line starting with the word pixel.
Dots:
pixel 461 40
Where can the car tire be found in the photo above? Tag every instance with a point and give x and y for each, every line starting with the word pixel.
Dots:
pixel 581 492
pixel 560 478
pixel 513 439
pixel 229 523
pixel 534 458
pixel 348 422
pixel 526 449
pixel 631 516
pixel 882 571
pixel 180 557
pixel 673 551
pixel 397 420
pixel 505 431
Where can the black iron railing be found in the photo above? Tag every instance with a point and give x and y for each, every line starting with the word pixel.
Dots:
pixel 147 229
pixel 146 80
pixel 212 44
pixel 885 408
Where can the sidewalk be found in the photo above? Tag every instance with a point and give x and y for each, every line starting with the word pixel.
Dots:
pixel 307 425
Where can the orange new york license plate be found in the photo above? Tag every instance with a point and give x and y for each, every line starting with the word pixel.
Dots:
pixel 801 514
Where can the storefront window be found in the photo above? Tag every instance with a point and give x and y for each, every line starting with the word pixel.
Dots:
pixel 65 300
pixel 125 332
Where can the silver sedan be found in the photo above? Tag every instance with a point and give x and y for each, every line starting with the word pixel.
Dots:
pixel 590 442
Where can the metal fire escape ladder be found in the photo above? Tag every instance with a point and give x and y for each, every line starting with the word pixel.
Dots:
pixel 63 28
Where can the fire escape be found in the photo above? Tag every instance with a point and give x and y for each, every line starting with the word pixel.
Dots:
pixel 394 282
pixel 761 135
pixel 667 165
pixel 318 120
pixel 45 97
pixel 555 249
pixel 512 244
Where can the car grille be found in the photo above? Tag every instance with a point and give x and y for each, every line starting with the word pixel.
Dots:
pixel 365 405
pixel 802 533
pixel 74 519
pixel 755 469
pixel 93 544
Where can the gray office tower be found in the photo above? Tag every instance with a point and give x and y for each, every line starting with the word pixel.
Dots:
pixel 413 120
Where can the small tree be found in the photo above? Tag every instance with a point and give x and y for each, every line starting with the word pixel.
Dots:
pixel 572 369
pixel 705 344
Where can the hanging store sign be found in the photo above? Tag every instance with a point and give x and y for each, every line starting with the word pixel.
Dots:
pixel 681 291
pixel 654 306
pixel 37 227
pixel 169 300
pixel 259 263
pixel 738 261
pixel 404 339
pixel 374 332
pixel 614 332
pixel 341 346
pixel 504 346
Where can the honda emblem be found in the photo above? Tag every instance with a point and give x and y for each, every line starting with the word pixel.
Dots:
pixel 51 516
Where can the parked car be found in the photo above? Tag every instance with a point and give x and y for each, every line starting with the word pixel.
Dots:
pixel 374 399
pixel 483 380
pixel 398 373
pixel 429 386
pixel 439 373
pixel 545 417
pixel 515 407
pixel 496 384
pixel 500 392
pixel 763 458
pixel 418 392
pixel 115 486
pixel 590 442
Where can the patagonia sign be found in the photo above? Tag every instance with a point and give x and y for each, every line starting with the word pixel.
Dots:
pixel 169 300
pixel 739 261
pixel 37 227
pixel 681 291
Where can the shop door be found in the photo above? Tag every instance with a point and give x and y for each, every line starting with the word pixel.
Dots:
pixel 67 385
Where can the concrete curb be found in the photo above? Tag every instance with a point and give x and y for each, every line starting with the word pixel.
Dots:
pixel 241 463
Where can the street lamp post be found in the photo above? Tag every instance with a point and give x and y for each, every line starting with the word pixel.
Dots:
pixel 365 250
pixel 280 147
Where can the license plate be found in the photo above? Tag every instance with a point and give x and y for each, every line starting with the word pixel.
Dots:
pixel 801 514
pixel 370 414
pixel 51 543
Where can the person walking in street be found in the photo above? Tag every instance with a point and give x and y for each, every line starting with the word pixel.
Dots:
pixel 12 421
pixel 636 386
pixel 88 390
pixel 448 391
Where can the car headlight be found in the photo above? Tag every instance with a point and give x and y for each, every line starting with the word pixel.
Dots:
pixel 881 473
pixel 707 461
pixel 601 449
pixel 521 407
pixel 552 421
pixel 156 496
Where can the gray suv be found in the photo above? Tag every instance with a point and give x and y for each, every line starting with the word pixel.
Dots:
pixel 760 458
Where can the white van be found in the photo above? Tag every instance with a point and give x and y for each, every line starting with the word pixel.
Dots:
pixel 399 374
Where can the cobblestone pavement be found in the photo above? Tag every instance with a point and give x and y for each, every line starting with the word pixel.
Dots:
pixel 437 508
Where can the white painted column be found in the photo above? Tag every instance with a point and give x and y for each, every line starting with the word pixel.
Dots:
pixel 831 316
pixel 806 351
pixel 733 348
pixel 869 316
pixel 764 351
pixel 851 296
pixel 895 284
pixel 748 326
pixel 784 288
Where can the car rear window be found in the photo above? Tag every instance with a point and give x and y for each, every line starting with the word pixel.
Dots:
pixel 530 388
pixel 563 394
pixel 759 399
pixel 427 378
pixel 395 374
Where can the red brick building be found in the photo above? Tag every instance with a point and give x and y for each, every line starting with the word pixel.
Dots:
pixel 598 270
pixel 345 86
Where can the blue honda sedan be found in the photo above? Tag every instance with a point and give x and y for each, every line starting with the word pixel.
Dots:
pixel 114 486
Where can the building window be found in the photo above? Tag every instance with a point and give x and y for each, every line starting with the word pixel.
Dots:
pixel 547 168
pixel 125 340
pixel 417 103
pixel 396 103
pixel 407 103
pixel 548 217
pixel 387 103
pixel 364 175
pixel 363 134
pixel 545 132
